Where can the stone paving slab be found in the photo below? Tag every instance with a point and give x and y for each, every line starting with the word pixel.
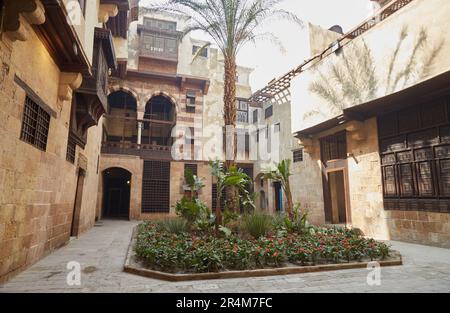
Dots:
pixel 102 251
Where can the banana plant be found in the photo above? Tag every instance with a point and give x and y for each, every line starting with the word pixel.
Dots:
pixel 194 182
pixel 281 174
pixel 232 177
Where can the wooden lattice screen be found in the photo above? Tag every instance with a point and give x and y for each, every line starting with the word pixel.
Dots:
pixel 415 157
pixel 156 187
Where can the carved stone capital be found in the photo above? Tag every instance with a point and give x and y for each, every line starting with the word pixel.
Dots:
pixel 106 11
pixel 20 12
pixel 68 82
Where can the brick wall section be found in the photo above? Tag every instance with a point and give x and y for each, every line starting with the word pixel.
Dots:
pixel 420 227
pixel 365 186
pixel 37 188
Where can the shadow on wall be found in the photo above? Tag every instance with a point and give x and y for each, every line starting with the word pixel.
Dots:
pixel 353 79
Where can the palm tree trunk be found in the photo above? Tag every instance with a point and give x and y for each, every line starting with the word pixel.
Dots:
pixel 229 100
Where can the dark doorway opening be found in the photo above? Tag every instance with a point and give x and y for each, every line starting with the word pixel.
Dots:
pixel 116 196
pixel 77 205
pixel 336 185
pixel 278 191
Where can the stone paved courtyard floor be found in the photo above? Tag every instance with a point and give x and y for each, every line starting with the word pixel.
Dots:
pixel 101 253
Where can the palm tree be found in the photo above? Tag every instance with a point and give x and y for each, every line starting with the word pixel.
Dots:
pixel 282 174
pixel 231 24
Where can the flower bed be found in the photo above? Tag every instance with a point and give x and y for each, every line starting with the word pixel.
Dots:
pixel 203 252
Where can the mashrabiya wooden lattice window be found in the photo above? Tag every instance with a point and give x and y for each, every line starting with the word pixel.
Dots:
pixel 35 124
pixel 156 187
pixel 415 157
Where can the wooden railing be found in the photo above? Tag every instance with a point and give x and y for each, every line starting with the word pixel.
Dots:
pixel 145 151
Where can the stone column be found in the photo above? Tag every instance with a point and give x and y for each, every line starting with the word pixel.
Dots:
pixel 140 125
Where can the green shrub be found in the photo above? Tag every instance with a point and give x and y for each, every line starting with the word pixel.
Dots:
pixel 257 224
pixel 174 226
pixel 162 248
pixel 192 210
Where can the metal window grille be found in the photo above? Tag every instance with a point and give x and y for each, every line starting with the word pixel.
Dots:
pixel 298 155
pixel 192 167
pixel 35 125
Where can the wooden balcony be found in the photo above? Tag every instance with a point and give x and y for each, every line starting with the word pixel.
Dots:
pixel 145 151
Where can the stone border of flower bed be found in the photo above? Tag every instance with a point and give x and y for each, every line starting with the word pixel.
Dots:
pixel 133 267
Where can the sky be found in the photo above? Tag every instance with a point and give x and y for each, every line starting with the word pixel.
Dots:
pixel 269 61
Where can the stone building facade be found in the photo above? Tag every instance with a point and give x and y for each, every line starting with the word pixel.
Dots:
pixel 165 115
pixel 370 113
pixel 55 59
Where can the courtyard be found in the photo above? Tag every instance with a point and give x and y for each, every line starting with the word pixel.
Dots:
pixel 102 251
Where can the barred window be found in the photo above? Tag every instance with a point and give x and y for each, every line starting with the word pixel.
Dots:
pixel 192 167
pixel 35 125
pixel 298 155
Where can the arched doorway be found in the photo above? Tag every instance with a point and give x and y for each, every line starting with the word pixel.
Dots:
pixel 116 193
pixel 159 119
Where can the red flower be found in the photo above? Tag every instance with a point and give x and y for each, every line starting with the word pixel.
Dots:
pixel 275 254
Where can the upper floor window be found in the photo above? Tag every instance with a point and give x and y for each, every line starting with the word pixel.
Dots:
pixel 203 53
pixel 35 124
pixel 255 116
pixel 157 44
pixel 192 167
pixel 268 112
pixel 297 155
pixel 190 102
pixel 277 128
pixel 242 111
pixel 158 24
